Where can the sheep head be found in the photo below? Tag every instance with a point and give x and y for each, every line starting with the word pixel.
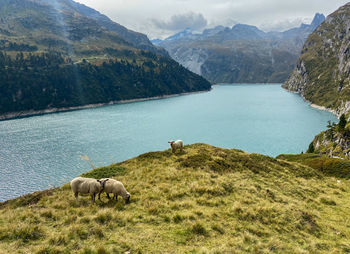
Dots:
pixel 102 182
pixel 127 200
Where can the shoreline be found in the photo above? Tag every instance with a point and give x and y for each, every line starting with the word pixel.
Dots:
pixel 313 105
pixel 29 113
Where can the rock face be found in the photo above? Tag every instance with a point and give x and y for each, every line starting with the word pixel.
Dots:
pixel 322 72
pixel 239 54
pixel 333 143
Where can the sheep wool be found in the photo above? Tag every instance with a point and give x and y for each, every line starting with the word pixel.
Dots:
pixel 115 187
pixel 178 144
pixel 87 186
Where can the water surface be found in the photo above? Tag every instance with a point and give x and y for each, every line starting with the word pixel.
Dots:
pixel 45 151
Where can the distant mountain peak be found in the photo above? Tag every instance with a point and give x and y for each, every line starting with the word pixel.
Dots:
pixel 244 26
pixel 185 33
pixel 317 20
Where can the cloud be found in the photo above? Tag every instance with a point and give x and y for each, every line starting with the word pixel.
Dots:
pixel 283 25
pixel 191 20
pixel 159 19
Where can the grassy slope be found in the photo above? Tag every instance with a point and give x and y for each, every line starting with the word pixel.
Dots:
pixel 206 200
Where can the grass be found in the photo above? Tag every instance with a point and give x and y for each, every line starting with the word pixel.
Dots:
pixel 203 200
pixel 339 168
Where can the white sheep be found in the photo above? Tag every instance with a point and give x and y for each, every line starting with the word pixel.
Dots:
pixel 178 144
pixel 115 187
pixel 87 186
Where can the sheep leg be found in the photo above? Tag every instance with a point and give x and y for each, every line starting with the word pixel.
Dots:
pixel 76 195
pixel 116 196
pixel 99 196
pixel 108 196
pixel 93 198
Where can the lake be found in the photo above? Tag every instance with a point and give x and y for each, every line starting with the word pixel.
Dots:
pixel 44 151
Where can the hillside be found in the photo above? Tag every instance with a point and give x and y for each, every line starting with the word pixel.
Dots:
pixel 59 54
pixel 241 54
pixel 322 72
pixel 67 26
pixel 204 200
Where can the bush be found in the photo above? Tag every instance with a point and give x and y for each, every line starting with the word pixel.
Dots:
pixel 199 229
pixel 311 148
pixel 342 122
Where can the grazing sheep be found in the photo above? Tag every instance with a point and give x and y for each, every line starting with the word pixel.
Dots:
pixel 115 187
pixel 178 144
pixel 87 185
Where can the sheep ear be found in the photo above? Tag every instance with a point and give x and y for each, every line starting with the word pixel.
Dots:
pixel 98 181
pixel 107 180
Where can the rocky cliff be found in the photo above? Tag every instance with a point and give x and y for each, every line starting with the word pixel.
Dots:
pixel 322 72
pixel 335 141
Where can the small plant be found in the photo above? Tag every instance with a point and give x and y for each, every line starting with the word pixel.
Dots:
pixel 28 233
pixel 178 218
pixel 101 250
pixel 218 229
pixel 103 218
pixel 327 201
pixel 199 229
pixel 60 240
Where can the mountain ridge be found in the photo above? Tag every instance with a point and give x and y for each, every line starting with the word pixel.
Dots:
pixel 241 54
pixel 321 74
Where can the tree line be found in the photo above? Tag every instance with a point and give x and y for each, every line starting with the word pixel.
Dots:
pixel 52 80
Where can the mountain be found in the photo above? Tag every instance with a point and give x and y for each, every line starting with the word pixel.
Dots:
pixel 138 40
pixel 241 54
pixel 203 200
pixel 60 54
pixel 322 72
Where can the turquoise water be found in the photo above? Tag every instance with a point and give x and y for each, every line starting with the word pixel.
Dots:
pixel 45 151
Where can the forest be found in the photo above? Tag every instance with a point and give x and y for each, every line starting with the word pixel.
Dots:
pixel 36 81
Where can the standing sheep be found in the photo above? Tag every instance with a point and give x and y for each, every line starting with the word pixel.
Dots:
pixel 115 187
pixel 178 144
pixel 87 185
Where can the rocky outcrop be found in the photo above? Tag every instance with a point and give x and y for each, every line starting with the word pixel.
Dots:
pixel 191 58
pixel 322 72
pixel 333 143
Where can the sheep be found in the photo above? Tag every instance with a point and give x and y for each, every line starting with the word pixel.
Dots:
pixel 87 185
pixel 178 144
pixel 115 187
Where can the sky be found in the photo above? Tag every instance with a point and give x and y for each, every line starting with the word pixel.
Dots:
pixel 162 18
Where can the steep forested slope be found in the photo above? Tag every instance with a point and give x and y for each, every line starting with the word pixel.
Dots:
pixel 60 54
